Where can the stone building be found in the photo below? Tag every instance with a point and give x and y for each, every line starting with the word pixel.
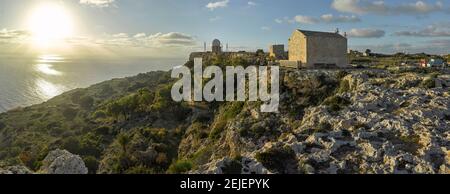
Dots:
pixel 216 46
pixel 277 52
pixel 310 49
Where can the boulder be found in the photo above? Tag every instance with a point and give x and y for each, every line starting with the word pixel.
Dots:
pixel 63 162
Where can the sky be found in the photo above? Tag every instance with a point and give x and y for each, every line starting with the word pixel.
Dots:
pixel 173 28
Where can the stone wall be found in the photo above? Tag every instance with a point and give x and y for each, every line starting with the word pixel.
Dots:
pixel 297 47
pixel 318 51
pixel 326 51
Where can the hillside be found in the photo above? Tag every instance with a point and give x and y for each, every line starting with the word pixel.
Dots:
pixel 353 121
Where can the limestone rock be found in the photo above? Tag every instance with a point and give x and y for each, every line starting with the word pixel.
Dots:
pixel 63 162
pixel 15 170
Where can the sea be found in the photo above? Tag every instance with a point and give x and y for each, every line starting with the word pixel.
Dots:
pixel 26 81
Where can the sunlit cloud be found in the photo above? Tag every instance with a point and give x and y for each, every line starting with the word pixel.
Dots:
pixel 13 36
pixel 381 8
pixel 252 3
pixel 366 33
pixel 218 4
pixel 305 19
pixel 330 18
pixel 433 30
pixel 326 18
pixel 98 3
pixel 171 39
pixel 433 46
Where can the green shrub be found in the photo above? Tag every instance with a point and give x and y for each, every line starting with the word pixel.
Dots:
pixel 344 86
pixel 219 127
pixel 323 127
pixel 86 102
pixel 336 103
pixel 104 130
pixel 180 167
pixel 428 83
pixel 277 159
pixel 69 113
pixel 202 156
pixel 91 163
pixel 229 112
pixel 99 114
pixel 76 96
pixel 410 143
pixel 91 145
pixel 341 74
pixel 72 144
pixel 139 170
pixel 233 167
pixel 2 125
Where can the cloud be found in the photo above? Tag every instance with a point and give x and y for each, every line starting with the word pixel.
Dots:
pixel 443 43
pixel 326 18
pixel 158 40
pixel 330 18
pixel 385 48
pixel 305 19
pixel 381 8
pixel 436 46
pixel 98 3
pixel 218 4
pixel 434 30
pixel 13 34
pixel 366 33
pixel 252 3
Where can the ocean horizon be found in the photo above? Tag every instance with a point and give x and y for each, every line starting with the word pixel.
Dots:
pixel 34 80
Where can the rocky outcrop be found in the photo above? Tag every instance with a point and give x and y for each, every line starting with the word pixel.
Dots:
pixel 15 170
pixel 391 124
pixel 63 162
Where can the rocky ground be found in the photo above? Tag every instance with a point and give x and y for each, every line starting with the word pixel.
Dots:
pixel 382 123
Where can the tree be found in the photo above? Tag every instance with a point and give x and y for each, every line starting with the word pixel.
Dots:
pixel 259 52
pixel 123 140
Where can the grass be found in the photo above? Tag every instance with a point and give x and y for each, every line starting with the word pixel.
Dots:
pixel 180 167
pixel 229 112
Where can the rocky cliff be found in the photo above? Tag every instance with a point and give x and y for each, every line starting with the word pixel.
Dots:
pixel 376 122
pixel 330 121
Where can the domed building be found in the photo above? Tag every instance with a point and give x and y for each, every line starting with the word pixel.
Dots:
pixel 216 46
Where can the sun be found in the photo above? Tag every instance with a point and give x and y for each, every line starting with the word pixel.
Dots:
pixel 50 23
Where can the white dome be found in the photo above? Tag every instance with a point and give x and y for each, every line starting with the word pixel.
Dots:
pixel 216 42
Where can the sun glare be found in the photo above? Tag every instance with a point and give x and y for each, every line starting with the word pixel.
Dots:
pixel 50 24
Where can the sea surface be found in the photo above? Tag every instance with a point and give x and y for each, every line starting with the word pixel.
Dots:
pixel 33 80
